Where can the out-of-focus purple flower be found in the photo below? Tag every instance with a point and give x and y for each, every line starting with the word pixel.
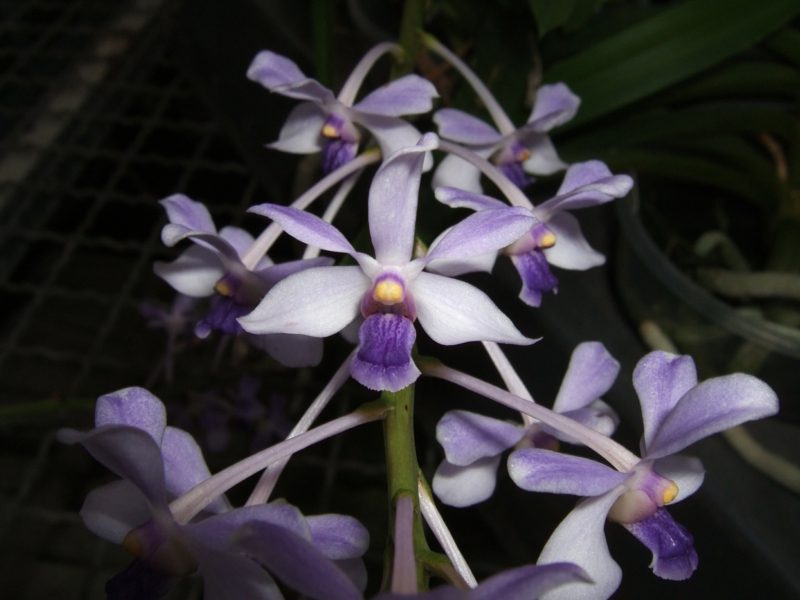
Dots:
pixel 390 291
pixel 331 123
pixel 213 267
pixel 158 463
pixel 556 238
pixel 677 411
pixel 175 320
pixel 473 443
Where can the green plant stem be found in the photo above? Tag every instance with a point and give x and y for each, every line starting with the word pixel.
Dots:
pixel 411 25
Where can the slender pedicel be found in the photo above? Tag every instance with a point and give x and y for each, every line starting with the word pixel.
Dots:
pixel 498 115
pixel 509 376
pixel 196 499
pixel 618 456
pixel 333 208
pixel 512 192
pixel 404 566
pixel 264 241
pixel 269 477
pixel 439 528
pixel 347 94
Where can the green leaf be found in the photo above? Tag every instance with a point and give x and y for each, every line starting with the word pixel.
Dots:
pixel 551 14
pixel 666 49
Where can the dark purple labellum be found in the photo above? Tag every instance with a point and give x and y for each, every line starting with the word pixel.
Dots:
pixel 383 361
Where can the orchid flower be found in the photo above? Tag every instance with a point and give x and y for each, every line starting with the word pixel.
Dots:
pixel 391 290
pixel 331 123
pixel 516 151
pixel 474 443
pixel 213 266
pixel 157 463
pixel 556 238
pixel 677 411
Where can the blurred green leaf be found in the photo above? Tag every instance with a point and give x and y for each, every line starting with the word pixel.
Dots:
pixel 742 78
pixel 666 49
pixel 786 43
pixel 550 15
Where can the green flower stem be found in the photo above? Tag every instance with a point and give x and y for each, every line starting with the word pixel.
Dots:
pixel 411 25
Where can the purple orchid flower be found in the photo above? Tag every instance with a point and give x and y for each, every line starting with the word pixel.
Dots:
pixel 331 123
pixel 214 266
pixel 474 443
pixel 677 411
pixel 556 238
pixel 158 463
pixel 516 151
pixel 390 291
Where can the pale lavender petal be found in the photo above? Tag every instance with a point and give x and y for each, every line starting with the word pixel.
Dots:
pixel 591 373
pixel 453 267
pixel 290 350
pixel 590 176
pixel 185 467
pixel 194 273
pixel 274 273
pixel 306 227
pixel 229 575
pixel 392 134
pixel 408 95
pixel 598 416
pixel 461 127
pixel 483 232
pixel 296 562
pixel 660 380
pixel 686 471
pixel 571 250
pixel 457 198
pixel 217 529
pixel 279 74
pixel 580 539
pixel 114 509
pixel 316 302
pixel 393 199
pixel 528 582
pixel 456 172
pixel 172 234
pixel 301 133
pixel 383 361
pixel 185 212
pixel 239 239
pixel 537 470
pixel 674 556
pixel 544 159
pixel 339 537
pixel 465 486
pixel 555 105
pixel 710 407
pixel 466 436
pixel 454 312
pixel 536 276
pixel 132 406
pixel 356 570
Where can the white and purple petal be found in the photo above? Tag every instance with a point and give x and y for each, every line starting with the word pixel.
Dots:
pixel 555 105
pixel 571 250
pixel 194 273
pixel 674 556
pixel 383 360
pixel 686 472
pixel 544 159
pixel 536 276
pixel 301 133
pixel 456 172
pixel 134 407
pixel 290 350
pixel 590 374
pixel 281 75
pixel 462 127
pixel 528 582
pixel 306 227
pixel 538 470
pixel 465 486
pixel 466 436
pixel 458 198
pixel 185 213
pixel 407 95
pixel 339 537
pixel 112 510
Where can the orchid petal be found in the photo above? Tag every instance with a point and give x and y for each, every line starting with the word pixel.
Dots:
pixel 465 486
pixel 544 159
pixel 580 539
pixel 134 407
pixel 393 202
pixel 710 407
pixel 537 470
pixel 184 212
pixel 592 175
pixel 660 380
pixel 483 232
pixel 686 472
pixel 194 273
pixel 598 416
pixel 461 127
pixel 239 239
pixel 571 250
pixel 306 227
pixel 217 529
pixel 454 312
pixel 457 198
pixel 274 273
pixel 290 350
pixel 525 583
pixel 456 172
pixel 674 556
pixel 407 95
pixel 467 436
pixel 281 75
pixel 536 276
pixel 356 570
pixel 172 234
pixel 591 373
pixel 301 133
pixel 114 509
pixel 555 105
pixel 392 134
pixel 228 575
pixel 383 361
pixel 453 267
pixel 339 537
pixel 316 302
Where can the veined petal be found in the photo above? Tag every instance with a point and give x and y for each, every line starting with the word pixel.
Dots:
pixel 466 436
pixel 580 539
pixel 316 302
pixel 660 380
pixel 571 250
pixel 383 361
pixel 535 275
pixel 686 472
pixel 528 582
pixel 194 273
pixel 457 198
pixel 114 509
pixel 465 486
pixel 454 312
pixel 544 159
pixel 279 74
pixel 393 199
pixel 408 95
pixel 537 470
pixel 483 232
pixel 339 537
pixel 301 133
pixel 710 407
pixel 185 212
pixel 134 407
pixel 674 556
pixel 555 105
pixel 306 227
pixel 591 373
pixel 457 173
pixel 461 127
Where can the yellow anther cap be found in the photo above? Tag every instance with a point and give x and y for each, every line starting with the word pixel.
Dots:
pixel 388 292
pixel 548 240
pixel 329 131
pixel 670 493
pixel 223 288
